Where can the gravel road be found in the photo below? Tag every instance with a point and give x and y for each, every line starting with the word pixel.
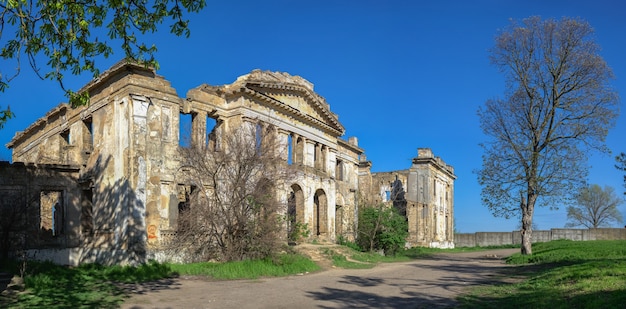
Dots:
pixel 424 283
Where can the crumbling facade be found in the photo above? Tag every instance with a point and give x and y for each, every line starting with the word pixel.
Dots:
pixel 425 194
pixel 125 191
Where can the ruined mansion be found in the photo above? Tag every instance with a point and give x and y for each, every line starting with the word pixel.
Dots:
pixel 101 182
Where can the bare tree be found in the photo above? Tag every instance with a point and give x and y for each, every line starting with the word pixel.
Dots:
pixel 596 207
pixel 621 165
pixel 558 104
pixel 233 210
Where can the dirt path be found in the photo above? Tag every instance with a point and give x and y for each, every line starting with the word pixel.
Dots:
pixel 426 283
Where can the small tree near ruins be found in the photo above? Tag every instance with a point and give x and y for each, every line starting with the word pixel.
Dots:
pixel 595 207
pixel 383 226
pixel 233 211
pixel 557 104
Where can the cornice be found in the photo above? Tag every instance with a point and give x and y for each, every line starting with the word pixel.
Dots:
pixel 318 102
pixel 445 168
pixel 285 108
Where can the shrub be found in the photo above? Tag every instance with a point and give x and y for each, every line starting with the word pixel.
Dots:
pixel 382 228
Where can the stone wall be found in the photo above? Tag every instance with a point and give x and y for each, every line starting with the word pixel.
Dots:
pixel 483 239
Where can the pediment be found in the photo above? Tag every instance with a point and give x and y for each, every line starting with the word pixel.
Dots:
pixel 292 95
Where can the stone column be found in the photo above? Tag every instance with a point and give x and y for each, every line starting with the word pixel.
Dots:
pixel 296 154
pixel 198 130
pixel 324 158
pixel 309 152
pixel 282 146
pixel 331 162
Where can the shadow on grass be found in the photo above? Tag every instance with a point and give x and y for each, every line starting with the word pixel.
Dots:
pixel 566 284
pixel 546 297
pixel 87 286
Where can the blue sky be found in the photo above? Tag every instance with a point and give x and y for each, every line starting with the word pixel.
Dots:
pixel 400 75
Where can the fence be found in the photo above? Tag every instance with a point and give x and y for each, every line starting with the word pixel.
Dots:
pixel 483 239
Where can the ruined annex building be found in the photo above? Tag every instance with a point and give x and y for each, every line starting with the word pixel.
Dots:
pixel 102 182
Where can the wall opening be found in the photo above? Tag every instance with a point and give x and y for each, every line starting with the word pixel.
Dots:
pixel 258 137
pixel 88 135
pixel 184 130
pixel 398 196
pixel 295 212
pixel 322 158
pixel 65 136
pixel 320 213
pixel 185 195
pixel 289 149
pixel 212 139
pixel 51 213
pixel 299 151
pixel 86 211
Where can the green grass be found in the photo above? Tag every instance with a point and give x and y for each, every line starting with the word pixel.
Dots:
pixel 88 286
pixel 561 274
pixel 94 286
pixel 286 264
pixel 340 260
pixel 411 254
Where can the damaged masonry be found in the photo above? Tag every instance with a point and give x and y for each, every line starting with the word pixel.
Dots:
pixel 101 183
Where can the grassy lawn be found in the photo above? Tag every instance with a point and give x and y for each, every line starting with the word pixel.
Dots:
pixel 94 286
pixel 561 274
pixel 286 264
pixel 88 286
pixel 347 256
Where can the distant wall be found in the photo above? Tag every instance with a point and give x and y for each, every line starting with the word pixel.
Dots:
pixel 483 239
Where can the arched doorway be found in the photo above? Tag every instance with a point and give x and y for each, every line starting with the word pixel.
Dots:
pixel 295 212
pixel 320 213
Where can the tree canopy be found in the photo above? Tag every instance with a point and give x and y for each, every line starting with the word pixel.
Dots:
pixel 68 35
pixel 595 207
pixel 558 104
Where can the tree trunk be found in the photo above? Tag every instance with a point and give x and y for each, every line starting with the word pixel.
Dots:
pixel 527 220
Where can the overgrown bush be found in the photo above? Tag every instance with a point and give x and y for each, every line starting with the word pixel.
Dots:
pixel 231 210
pixel 382 228
pixel 350 244
pixel 298 231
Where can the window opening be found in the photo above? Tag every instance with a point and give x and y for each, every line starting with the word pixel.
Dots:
pixel 51 213
pixel 184 130
pixel 185 195
pixel 299 151
pixel 258 138
pixel 289 149
pixel 211 141
pixel 65 135
pixel 88 138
